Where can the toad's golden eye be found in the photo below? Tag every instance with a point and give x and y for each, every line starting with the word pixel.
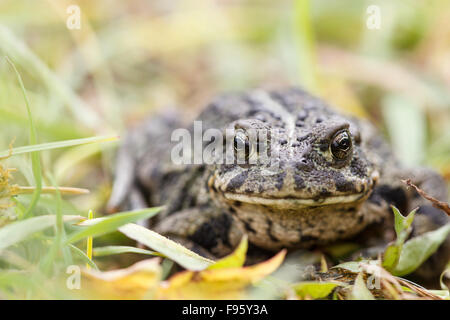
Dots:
pixel 242 145
pixel 341 145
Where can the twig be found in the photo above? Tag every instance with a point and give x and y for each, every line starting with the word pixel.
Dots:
pixel 435 202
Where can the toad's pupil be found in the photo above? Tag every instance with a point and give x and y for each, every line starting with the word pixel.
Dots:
pixel 344 143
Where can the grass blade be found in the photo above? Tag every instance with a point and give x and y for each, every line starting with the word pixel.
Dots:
pixel 35 161
pixel 17 231
pixel 58 144
pixel 83 256
pixel 111 250
pixel 172 250
pixel 101 226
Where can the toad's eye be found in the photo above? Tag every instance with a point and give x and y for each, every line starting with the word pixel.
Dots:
pixel 242 145
pixel 341 145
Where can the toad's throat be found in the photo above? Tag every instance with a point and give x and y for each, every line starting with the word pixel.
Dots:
pixel 296 202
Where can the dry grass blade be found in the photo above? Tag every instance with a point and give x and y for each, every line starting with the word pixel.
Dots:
pixel 419 290
pixel 52 190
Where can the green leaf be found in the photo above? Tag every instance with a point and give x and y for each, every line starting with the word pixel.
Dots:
pixel 234 260
pixel 58 144
pixel 184 257
pixel 101 226
pixel 418 249
pixel 402 223
pixel 315 290
pixel 110 250
pixel 402 227
pixel 360 291
pixel 353 266
pixel 391 256
pixel 17 231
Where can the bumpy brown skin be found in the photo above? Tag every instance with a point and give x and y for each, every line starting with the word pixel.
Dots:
pixel 311 198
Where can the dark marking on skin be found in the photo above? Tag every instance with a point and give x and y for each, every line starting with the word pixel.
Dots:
pixel 324 146
pixel 260 188
pixel 280 180
pixel 395 196
pixel 304 137
pixel 283 142
pixel 299 183
pixel 210 232
pixel 237 181
pixel 295 145
pixel 341 182
pixel 360 219
pixel 226 168
pixel 237 204
pixel 192 202
pixel 269 231
pixel 248 227
pixel 324 193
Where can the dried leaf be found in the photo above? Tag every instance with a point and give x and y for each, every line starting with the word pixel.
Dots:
pixel 136 282
pixel 224 283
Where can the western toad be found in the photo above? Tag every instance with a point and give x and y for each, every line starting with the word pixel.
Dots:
pixel 335 178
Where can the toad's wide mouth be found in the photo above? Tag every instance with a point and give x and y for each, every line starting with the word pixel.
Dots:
pixel 292 203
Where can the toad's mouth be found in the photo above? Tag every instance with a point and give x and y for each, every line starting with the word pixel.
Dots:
pixel 290 202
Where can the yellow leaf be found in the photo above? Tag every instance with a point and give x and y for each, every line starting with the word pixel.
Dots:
pixel 224 283
pixel 136 282
pixel 236 259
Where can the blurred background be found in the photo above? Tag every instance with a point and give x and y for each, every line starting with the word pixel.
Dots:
pixel 388 61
